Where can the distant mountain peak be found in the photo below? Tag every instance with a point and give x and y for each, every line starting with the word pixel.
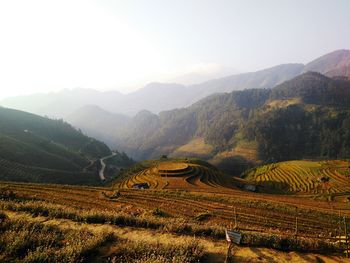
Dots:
pixel 332 64
pixel 91 107
pixel 311 74
pixel 143 113
pixel 160 85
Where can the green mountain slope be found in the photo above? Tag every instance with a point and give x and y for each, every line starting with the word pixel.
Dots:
pixel 12 171
pixel 316 125
pixel 37 149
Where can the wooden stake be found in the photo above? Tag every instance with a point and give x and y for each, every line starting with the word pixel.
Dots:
pixel 296 228
pixel 228 254
pixel 339 223
pixel 235 218
pixel 346 237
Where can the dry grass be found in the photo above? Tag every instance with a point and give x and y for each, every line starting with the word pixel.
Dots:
pixel 141 251
pixel 25 241
pixel 273 104
pixel 246 150
pixel 195 147
pixel 181 212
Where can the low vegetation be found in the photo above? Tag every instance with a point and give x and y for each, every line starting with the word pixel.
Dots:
pixel 25 241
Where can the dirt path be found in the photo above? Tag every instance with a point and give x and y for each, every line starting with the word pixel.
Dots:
pixel 103 166
pixel 216 250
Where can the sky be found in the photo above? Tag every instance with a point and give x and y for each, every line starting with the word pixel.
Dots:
pixel 123 45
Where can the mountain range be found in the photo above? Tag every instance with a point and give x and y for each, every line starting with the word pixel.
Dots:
pixel 157 97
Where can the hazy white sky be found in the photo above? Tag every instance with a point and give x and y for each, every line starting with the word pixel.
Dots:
pixel 50 45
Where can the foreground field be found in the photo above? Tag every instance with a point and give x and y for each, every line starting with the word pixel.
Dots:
pixel 150 220
pixel 324 179
pixel 108 243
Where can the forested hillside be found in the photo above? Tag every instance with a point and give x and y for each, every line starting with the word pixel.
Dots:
pixel 306 117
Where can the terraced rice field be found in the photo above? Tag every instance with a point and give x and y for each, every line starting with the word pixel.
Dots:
pixel 128 217
pixel 189 199
pixel 254 212
pixel 304 177
pixel 170 175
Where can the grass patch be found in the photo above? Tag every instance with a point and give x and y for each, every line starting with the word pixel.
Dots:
pixel 186 252
pixel 40 208
pixel 289 243
pixel 24 241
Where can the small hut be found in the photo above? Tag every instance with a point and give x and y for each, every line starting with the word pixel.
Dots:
pixel 249 187
pixel 141 186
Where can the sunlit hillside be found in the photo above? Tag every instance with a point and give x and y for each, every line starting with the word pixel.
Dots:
pixel 328 179
pixel 180 175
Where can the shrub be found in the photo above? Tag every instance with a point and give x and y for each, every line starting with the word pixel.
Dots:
pixel 183 252
pixel 159 212
pixel 7 194
pixel 288 243
pixel 202 216
pixel 3 217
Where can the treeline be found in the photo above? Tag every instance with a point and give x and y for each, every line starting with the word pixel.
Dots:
pixel 295 133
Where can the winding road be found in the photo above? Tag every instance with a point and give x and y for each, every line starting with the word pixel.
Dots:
pixel 103 166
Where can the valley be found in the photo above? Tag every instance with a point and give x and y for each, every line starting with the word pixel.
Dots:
pixel 38 149
pixel 188 131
